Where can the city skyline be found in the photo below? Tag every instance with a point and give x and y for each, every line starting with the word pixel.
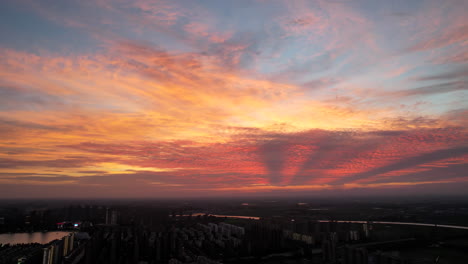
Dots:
pixel 114 98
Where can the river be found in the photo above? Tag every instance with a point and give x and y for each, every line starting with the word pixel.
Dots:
pixel 344 221
pixel 36 237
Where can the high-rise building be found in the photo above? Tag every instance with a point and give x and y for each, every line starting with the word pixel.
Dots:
pixel 72 240
pixel 354 255
pixel 114 218
pixel 45 256
pixel 66 243
pixel 329 251
pixel 52 254
pixel 107 216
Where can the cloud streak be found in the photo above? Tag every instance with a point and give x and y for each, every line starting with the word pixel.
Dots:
pixel 258 97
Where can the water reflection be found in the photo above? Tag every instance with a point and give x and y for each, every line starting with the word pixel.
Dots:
pixel 36 237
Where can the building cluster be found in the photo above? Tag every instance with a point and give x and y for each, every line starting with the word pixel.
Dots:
pixel 57 250
pixel 42 218
pixel 112 216
pixel 67 250
pixel 360 255
pixel 326 242
pixel 194 243
pixel 154 237
pixel 22 253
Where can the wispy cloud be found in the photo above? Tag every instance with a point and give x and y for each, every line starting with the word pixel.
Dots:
pixel 260 96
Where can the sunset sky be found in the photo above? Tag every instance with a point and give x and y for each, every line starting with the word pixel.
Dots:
pixel 150 98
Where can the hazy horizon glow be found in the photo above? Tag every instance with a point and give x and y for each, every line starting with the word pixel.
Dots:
pixel 144 98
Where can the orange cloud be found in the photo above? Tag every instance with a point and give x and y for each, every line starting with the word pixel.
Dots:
pixel 171 97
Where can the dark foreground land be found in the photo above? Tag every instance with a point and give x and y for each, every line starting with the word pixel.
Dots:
pixel 269 231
